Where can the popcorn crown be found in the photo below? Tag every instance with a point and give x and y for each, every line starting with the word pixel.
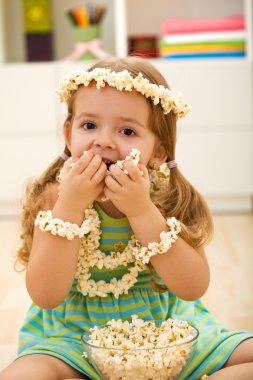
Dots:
pixel 170 100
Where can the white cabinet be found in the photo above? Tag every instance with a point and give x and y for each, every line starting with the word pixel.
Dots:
pixel 23 158
pixel 27 99
pixel 215 140
pixel 28 136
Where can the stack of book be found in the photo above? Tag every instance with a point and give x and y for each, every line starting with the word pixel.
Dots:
pixel 144 46
pixel 203 38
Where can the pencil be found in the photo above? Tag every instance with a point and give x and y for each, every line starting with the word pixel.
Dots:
pixel 83 16
pixel 100 12
pixel 70 17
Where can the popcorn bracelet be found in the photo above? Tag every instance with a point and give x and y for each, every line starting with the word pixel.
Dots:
pixel 144 254
pixel 46 222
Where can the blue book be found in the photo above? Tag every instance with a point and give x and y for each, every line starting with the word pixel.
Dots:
pixel 229 54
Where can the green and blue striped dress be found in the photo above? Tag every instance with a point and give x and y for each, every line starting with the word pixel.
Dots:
pixel 58 332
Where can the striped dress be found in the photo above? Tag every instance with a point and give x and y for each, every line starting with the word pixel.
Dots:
pixel 58 332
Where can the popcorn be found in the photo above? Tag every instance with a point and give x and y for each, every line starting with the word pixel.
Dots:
pixel 134 156
pixel 159 177
pixel 140 349
pixel 144 254
pixel 134 252
pixel 46 222
pixel 170 101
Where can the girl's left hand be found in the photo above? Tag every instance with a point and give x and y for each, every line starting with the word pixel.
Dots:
pixel 129 192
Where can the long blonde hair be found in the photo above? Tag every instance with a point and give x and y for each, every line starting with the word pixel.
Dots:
pixel 180 199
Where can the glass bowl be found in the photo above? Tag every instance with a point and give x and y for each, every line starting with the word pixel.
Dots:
pixel 163 363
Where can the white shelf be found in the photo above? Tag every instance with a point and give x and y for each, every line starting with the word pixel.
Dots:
pixel 248 12
pixel 123 18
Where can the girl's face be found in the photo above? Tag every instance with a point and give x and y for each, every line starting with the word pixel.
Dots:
pixel 111 123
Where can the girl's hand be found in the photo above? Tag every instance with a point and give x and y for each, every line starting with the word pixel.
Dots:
pixel 129 192
pixel 82 181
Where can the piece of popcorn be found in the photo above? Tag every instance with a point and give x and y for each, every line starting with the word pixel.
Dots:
pixel 134 156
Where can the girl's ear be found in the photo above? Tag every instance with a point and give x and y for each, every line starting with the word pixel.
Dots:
pixel 67 134
pixel 159 155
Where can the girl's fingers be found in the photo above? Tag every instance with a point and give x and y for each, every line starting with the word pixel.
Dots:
pixel 112 184
pixel 118 174
pixel 109 193
pixel 92 166
pixel 82 163
pixel 135 172
pixel 144 171
pixel 66 166
pixel 100 173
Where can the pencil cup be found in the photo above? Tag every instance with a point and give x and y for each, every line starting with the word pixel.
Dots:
pixel 87 41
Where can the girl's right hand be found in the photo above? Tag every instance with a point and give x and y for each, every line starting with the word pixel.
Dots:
pixel 82 180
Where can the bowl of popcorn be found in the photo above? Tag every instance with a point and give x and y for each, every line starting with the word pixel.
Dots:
pixel 140 349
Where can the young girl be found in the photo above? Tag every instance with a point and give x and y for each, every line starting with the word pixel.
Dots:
pixel 90 270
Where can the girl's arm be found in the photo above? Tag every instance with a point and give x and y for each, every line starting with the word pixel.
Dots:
pixel 53 259
pixel 183 269
pixel 52 262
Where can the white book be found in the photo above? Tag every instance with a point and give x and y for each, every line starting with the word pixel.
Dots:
pixel 204 37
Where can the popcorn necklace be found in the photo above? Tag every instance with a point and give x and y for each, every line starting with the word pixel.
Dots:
pixel 90 256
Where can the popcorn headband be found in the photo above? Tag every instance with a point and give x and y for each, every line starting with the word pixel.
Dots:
pixel 170 100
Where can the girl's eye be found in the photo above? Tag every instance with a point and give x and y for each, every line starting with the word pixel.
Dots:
pixel 89 125
pixel 128 132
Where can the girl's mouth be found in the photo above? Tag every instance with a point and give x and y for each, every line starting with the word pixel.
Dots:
pixel 108 164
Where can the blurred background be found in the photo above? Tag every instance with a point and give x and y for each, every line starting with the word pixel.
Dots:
pixel 204 49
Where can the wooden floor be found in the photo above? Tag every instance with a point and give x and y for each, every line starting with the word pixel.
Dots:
pixel 229 297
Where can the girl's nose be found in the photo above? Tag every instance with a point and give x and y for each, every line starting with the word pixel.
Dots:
pixel 104 140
